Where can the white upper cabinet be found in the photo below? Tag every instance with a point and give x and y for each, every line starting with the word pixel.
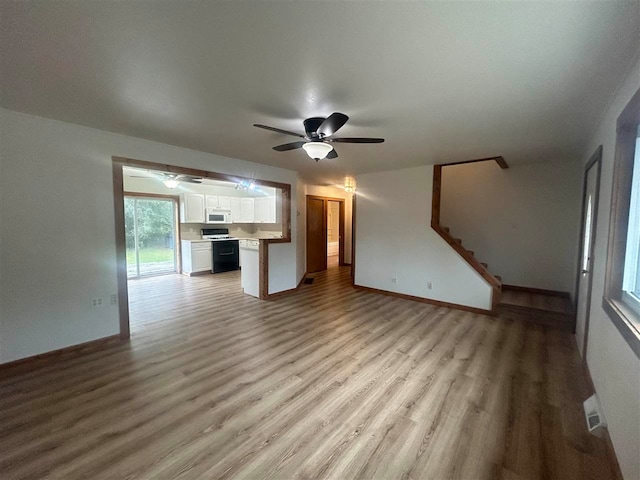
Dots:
pixel 218 201
pixel 211 201
pixel 234 206
pixel 224 202
pixel 246 210
pixel 191 208
pixel 265 210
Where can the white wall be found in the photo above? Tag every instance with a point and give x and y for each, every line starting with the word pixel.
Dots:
pixel 614 367
pixel 56 194
pixel 523 221
pixel 335 192
pixel 394 239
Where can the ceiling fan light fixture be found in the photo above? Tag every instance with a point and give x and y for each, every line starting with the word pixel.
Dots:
pixel 317 150
pixel 171 183
pixel 349 184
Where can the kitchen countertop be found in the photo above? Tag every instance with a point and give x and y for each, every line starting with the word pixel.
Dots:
pixel 234 238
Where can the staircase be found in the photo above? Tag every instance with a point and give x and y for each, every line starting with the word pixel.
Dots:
pixel 538 306
pixel 482 268
pixel 544 307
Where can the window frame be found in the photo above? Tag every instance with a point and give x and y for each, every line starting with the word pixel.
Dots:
pixel 622 314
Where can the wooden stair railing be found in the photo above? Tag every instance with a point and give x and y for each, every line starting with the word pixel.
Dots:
pixel 456 243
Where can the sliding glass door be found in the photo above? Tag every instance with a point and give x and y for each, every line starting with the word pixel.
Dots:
pixel 150 229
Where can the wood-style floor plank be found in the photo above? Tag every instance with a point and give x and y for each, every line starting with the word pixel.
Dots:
pixel 328 382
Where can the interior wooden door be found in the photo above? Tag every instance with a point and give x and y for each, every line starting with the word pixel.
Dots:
pixel 316 235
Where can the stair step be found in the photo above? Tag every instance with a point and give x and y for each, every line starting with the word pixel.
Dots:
pixel 471 252
pixel 499 278
pixel 485 265
pixel 446 229
pixel 458 241
pixel 558 320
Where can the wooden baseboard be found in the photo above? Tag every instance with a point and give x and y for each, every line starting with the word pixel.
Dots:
pixel 539 291
pixel 29 363
pixel 430 301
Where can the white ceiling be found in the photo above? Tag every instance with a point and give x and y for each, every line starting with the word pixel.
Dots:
pixel 441 81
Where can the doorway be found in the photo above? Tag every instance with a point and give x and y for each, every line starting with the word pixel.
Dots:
pixel 591 188
pixel 151 235
pixel 325 233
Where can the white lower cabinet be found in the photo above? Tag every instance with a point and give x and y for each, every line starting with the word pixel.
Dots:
pixel 196 257
pixel 249 275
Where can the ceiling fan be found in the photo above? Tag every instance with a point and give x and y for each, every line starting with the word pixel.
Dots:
pixel 172 180
pixel 318 136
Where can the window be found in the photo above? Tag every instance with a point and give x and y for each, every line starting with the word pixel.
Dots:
pixel 622 281
pixel 631 279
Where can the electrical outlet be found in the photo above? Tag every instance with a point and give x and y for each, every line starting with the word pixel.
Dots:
pixel 429 285
pixel 394 280
pixel 96 302
pixel 114 299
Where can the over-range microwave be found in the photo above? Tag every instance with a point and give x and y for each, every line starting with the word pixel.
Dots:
pixel 215 215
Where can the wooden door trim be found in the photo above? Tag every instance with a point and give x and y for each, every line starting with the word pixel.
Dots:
pixel 341 226
pixel 285 187
pixel 324 229
pixel 341 231
pixel 121 249
pixel 594 161
pixel 176 220
pixel 353 240
pixel 117 165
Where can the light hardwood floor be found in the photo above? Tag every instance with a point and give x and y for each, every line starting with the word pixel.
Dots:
pixel 328 382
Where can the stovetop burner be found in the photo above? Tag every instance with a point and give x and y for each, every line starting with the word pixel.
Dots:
pixel 216 234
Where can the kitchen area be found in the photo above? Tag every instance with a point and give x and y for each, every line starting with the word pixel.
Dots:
pixel 219 222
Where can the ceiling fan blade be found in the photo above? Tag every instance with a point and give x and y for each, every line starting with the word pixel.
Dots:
pixel 332 154
pixel 279 130
pixel 332 124
pixel 288 146
pixel 356 140
pixel 190 180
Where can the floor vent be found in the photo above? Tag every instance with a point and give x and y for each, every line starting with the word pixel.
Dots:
pixel 593 414
pixel 308 281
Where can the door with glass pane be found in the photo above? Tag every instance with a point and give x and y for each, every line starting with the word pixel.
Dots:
pixel 151 239
pixel 587 243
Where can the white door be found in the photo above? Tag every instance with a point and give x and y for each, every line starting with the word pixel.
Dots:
pixel 587 239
